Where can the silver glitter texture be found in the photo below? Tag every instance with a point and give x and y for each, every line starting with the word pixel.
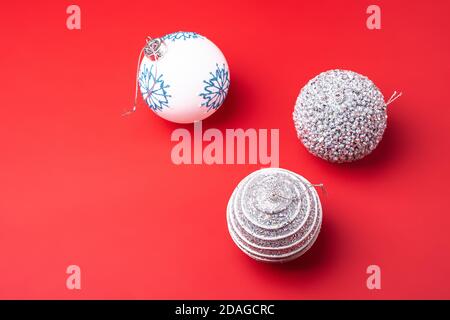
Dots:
pixel 274 215
pixel 340 116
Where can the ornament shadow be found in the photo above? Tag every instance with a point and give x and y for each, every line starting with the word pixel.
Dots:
pixel 321 255
pixel 229 112
pixel 391 149
pixel 232 108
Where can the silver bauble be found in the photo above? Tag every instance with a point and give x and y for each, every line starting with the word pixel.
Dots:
pixel 274 215
pixel 340 116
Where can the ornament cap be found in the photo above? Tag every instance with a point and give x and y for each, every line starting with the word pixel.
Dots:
pixel 155 48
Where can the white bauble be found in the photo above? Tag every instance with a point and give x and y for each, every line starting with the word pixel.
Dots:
pixel 187 80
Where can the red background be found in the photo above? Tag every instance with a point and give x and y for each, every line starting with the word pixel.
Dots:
pixel 80 184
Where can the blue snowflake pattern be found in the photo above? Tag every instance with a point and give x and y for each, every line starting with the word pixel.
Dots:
pixel 216 88
pixel 181 35
pixel 153 88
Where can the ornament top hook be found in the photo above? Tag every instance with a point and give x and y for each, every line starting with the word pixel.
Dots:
pixel 155 48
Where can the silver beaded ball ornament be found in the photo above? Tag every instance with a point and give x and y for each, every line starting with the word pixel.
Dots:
pixel 340 116
pixel 274 215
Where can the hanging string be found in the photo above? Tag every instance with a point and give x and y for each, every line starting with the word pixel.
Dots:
pixel 153 53
pixel 321 186
pixel 394 97
pixel 133 109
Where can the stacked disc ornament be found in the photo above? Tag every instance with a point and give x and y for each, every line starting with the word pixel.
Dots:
pixel 340 116
pixel 274 215
pixel 183 77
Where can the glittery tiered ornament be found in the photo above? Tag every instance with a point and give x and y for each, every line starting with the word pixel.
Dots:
pixel 340 116
pixel 274 215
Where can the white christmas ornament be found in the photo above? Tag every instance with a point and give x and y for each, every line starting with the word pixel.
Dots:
pixel 274 215
pixel 340 115
pixel 183 77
